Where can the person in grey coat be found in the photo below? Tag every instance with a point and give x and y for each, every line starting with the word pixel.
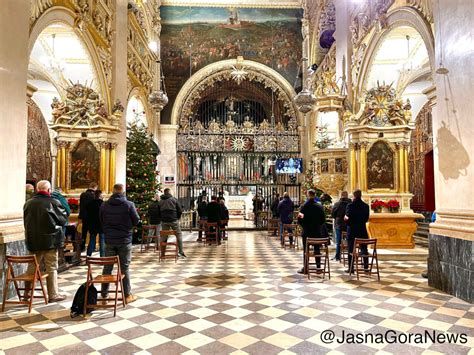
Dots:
pixel 170 212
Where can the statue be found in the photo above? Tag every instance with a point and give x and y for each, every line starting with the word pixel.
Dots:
pixel 214 126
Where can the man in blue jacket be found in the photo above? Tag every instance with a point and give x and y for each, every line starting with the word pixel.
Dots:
pixel 357 215
pixel 118 217
pixel 284 211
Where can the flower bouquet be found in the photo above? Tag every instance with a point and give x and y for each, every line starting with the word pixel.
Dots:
pixel 73 204
pixel 393 206
pixel 377 205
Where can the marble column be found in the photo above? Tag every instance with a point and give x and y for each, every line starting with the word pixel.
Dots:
pixel 119 83
pixel 167 160
pixel 451 239
pixel 14 32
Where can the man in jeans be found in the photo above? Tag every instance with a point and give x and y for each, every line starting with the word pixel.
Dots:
pixel 44 219
pixel 170 213
pixel 118 216
pixel 338 213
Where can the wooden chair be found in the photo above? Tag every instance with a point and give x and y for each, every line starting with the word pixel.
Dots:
pixel 165 246
pixel 297 233
pixel 273 227
pixel 147 239
pixel 323 245
pixel 28 279
pixel 223 228
pixel 344 248
pixel 211 234
pixel 116 279
pixel 288 239
pixel 360 258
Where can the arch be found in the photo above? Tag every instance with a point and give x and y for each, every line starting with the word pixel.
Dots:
pixel 140 94
pixel 210 73
pixel 65 16
pixel 402 16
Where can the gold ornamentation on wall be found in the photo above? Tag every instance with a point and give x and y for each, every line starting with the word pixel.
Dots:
pixel 38 7
pixel 383 108
pixel 83 108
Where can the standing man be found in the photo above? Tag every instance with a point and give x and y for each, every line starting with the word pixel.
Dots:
pixel 44 219
pixel 338 213
pixel 285 212
pixel 154 218
pixel 118 217
pixel 170 212
pixel 357 215
pixel 86 197
pixel 311 218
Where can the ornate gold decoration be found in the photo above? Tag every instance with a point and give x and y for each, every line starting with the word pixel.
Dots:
pixel 383 108
pixel 331 184
pixel 83 108
pixel 238 73
pixel 37 7
pixel 424 6
pixel 238 143
pixel 305 101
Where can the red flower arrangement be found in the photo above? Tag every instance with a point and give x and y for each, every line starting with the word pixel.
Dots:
pixel 393 204
pixel 377 204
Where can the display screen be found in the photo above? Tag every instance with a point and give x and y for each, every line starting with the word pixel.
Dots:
pixel 289 166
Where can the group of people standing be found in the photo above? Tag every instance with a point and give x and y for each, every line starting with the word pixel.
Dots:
pixel 45 217
pixel 350 216
pixel 214 211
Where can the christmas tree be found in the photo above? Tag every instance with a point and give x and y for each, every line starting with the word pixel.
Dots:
pixel 141 168
pixel 323 141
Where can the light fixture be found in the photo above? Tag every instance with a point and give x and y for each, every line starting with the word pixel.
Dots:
pixel 54 65
pixel 305 100
pixel 442 70
pixel 158 98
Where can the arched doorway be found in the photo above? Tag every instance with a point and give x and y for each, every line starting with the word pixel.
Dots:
pixel 401 58
pixel 238 137
pixel 58 58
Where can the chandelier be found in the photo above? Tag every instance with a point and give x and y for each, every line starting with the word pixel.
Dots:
pixel 55 65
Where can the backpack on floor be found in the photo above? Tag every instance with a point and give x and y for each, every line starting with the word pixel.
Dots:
pixel 77 307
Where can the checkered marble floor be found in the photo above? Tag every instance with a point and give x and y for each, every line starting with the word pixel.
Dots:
pixel 245 297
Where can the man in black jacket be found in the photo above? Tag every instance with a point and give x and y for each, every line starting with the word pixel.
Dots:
pixel 154 218
pixel 170 213
pixel 44 219
pixel 338 213
pixel 118 217
pixel 311 218
pixel 86 197
pixel 357 215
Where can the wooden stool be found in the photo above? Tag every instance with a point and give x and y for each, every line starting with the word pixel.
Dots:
pixel 323 245
pixel 146 239
pixel 273 226
pixel 223 228
pixel 288 233
pixel 361 257
pixel 297 232
pixel 211 234
pixel 165 244
pixel 28 279
pixel 202 229
pixel 116 279
pixel 344 248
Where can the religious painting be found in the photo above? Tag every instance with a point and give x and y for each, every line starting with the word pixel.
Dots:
pixel 380 163
pixel 84 165
pixel 338 165
pixel 193 37
pixel 324 165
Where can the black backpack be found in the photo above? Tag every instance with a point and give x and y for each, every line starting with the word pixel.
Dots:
pixel 77 307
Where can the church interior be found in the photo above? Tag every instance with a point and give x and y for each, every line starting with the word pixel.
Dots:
pixel 249 103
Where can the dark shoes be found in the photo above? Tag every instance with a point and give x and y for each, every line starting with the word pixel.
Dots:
pixel 301 271
pixel 182 255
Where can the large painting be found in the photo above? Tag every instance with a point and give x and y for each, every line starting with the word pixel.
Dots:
pixel 380 162
pixel 197 36
pixel 84 165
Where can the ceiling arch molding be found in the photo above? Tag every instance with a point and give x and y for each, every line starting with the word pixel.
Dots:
pixel 402 16
pixel 214 72
pixel 63 15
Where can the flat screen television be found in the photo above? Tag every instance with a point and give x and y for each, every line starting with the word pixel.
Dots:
pixel 289 166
